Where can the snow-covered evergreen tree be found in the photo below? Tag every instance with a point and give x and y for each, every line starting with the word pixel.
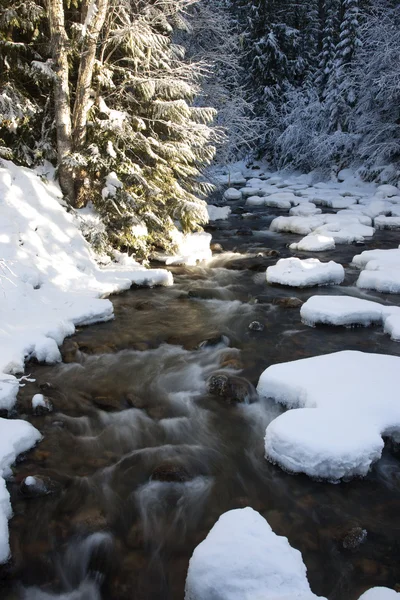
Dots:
pixel 25 82
pixel 214 40
pixel 120 93
pixel 331 13
pixel 341 93
pixel 377 72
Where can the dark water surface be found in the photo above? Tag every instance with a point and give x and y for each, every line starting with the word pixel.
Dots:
pixel 131 401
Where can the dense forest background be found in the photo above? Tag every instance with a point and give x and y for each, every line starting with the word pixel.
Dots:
pixel 132 100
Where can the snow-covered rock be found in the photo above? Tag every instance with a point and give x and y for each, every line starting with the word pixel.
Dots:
pixel 333 200
pixel 346 401
pixel 343 233
pixel 314 242
pixel 243 559
pixel 217 213
pixel 304 209
pixel 232 194
pixel 383 222
pixel 305 273
pixel 381 270
pixel 250 191
pixel 255 201
pixel 380 593
pixel 340 310
pixel 386 191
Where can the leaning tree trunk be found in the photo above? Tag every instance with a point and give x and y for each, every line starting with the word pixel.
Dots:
pixel 59 47
pixel 96 11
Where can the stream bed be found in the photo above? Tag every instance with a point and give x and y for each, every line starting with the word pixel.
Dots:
pixel 141 460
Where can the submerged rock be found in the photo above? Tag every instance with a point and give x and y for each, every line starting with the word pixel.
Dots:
pixel 354 538
pixel 107 402
pixel 170 472
pixel 215 341
pixel 216 248
pixel 291 302
pixel 244 231
pixel 232 389
pixel 256 326
pixel 69 350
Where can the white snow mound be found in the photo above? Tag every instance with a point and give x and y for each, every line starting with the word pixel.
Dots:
pixel 243 559
pixel 305 273
pixel 381 270
pixel 340 310
pixel 346 402
pixel 380 593
pixel 218 213
pixel 314 242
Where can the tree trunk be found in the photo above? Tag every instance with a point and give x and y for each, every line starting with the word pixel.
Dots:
pixel 96 11
pixel 59 47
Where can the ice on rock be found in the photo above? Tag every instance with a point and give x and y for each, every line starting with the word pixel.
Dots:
pixel 345 402
pixel 314 242
pixel 305 273
pixel 340 310
pixel 243 559
pixel 217 213
pixel 232 194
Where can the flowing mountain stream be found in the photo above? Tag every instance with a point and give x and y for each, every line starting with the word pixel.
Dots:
pixel 141 458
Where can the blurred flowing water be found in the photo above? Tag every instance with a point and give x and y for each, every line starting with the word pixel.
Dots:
pixel 143 460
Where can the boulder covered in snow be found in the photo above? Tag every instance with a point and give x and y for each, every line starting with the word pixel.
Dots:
pixel 346 402
pixel 305 273
pixel 340 310
pixel 314 242
pixel 243 559
pixel 380 593
pixel 232 194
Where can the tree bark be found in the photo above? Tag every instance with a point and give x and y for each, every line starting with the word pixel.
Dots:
pixel 98 8
pixel 59 47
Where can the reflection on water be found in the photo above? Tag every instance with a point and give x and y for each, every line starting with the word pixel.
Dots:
pixel 143 459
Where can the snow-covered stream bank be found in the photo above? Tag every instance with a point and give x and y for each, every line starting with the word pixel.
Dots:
pixel 157 431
